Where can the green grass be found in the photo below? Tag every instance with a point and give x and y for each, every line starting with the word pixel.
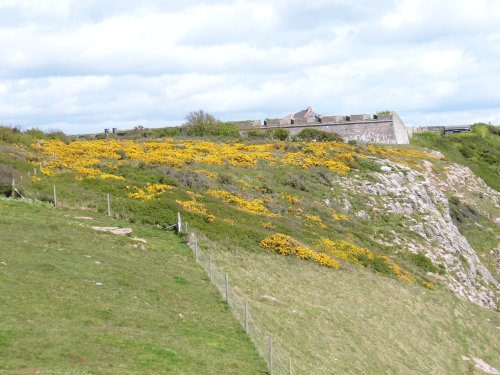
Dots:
pixel 479 150
pixel 74 300
pixel 353 321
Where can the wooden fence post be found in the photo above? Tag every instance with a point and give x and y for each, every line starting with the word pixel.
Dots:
pixel 179 223
pixel 226 280
pixel 55 196
pixel 109 204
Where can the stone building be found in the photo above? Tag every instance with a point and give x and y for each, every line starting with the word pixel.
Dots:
pixel 384 127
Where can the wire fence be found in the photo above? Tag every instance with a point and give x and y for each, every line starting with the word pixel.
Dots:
pixel 240 308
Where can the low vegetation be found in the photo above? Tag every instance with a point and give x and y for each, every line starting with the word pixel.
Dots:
pixel 203 124
pixel 479 150
pixel 318 135
pixel 74 300
pixel 279 218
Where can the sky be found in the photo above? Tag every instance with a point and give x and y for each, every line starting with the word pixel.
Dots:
pixel 84 65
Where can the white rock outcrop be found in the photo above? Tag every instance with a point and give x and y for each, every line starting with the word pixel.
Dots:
pixel 420 198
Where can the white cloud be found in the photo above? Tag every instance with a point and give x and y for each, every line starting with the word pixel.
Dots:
pixel 83 65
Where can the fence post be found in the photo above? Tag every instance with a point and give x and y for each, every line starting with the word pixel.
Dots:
pixel 109 204
pixel 196 249
pixel 186 227
pixel 179 223
pixel 13 183
pixel 270 355
pixel 55 196
pixel 246 317
pixel 210 267
pixel 226 280
pixel 34 171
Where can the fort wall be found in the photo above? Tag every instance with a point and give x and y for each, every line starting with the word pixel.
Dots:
pixel 385 128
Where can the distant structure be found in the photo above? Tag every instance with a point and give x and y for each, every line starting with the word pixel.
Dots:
pixel 447 129
pixel 386 127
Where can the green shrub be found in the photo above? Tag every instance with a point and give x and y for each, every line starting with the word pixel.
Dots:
pixel 461 213
pixel 200 124
pixel 281 134
pixel 9 134
pixel 424 263
pixel 6 175
pixel 479 150
pixel 384 113
pixel 169 132
pixel 318 135
pixel 376 263
pixel 257 133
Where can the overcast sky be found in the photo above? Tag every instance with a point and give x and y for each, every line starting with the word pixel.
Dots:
pixel 84 65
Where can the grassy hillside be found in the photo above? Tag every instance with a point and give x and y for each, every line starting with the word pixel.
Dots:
pixel 352 321
pixel 74 300
pixel 348 299
pixel 479 150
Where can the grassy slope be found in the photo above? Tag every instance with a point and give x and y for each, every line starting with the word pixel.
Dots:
pixel 347 321
pixel 353 321
pixel 478 150
pixel 155 312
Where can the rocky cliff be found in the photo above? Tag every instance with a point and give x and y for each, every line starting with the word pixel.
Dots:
pixel 421 200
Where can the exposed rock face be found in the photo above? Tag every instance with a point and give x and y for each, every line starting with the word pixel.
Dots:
pixel 421 199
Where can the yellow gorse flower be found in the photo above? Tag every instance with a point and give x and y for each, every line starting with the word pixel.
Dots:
pixel 352 253
pixel 150 191
pixel 286 245
pixel 254 206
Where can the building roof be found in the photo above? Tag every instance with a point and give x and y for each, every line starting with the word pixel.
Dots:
pixel 308 112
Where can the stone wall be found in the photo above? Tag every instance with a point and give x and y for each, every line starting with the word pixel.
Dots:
pixel 332 119
pixel 247 123
pixel 400 131
pixel 386 128
pixel 270 122
pixel 360 117
pixel 363 132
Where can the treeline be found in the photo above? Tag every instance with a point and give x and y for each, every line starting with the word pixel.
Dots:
pixel 14 135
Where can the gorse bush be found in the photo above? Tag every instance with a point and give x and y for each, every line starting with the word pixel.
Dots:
pixel 281 134
pixel 257 133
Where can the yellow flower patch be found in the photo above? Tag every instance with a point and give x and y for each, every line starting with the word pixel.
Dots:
pixel 316 219
pixel 150 192
pixel 286 245
pixel 254 206
pixel 352 253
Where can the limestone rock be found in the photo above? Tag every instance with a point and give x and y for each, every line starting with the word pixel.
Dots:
pixel 114 230
pixel 422 201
